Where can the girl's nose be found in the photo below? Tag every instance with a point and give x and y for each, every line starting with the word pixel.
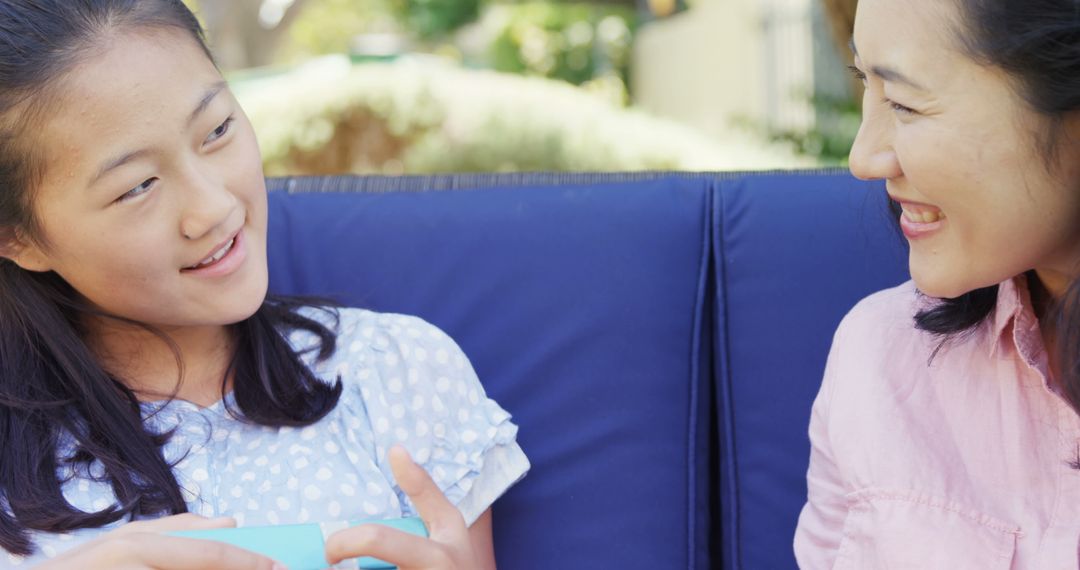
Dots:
pixel 208 205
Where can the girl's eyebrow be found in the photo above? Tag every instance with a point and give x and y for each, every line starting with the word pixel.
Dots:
pixel 127 157
pixel 207 98
pixel 888 73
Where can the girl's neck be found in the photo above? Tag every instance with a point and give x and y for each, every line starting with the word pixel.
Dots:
pixel 192 369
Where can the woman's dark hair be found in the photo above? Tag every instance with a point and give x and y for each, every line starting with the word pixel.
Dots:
pixel 1037 42
pixel 53 391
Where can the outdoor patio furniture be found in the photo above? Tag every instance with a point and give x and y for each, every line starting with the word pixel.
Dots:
pixel 658 337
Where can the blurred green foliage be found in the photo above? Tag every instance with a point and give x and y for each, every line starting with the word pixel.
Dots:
pixel 572 42
pixel 583 44
pixel 833 134
pixel 434 19
pixel 329 26
pixel 412 116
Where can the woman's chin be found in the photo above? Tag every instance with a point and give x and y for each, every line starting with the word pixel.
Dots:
pixel 945 286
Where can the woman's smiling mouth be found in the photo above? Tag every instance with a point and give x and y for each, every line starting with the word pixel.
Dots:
pixel 919 220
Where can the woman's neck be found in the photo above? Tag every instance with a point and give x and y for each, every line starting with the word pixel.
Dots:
pixel 193 368
pixel 1046 289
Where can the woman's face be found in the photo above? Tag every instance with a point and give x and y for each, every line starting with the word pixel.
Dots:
pixel 958 149
pixel 151 173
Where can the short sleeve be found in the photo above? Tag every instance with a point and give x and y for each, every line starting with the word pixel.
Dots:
pixel 426 397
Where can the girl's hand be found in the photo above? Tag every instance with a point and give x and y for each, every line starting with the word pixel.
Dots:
pixel 450 545
pixel 141 546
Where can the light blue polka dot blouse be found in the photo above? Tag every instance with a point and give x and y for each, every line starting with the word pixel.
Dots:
pixel 405 381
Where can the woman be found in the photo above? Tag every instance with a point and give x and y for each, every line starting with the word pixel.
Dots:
pixel 147 381
pixel 946 432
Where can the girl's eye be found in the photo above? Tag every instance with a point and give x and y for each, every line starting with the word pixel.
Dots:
pixel 139 190
pixel 222 130
pixel 857 73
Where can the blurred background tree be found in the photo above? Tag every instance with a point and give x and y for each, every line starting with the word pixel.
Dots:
pixel 841 16
pixel 270 50
pixel 246 33
pixel 435 19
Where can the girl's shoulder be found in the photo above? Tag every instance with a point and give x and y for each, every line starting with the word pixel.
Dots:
pixel 405 381
pixel 378 339
pixel 386 361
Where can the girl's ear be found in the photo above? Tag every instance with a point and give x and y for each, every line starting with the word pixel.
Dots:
pixel 25 254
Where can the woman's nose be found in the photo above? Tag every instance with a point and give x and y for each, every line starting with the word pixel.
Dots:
pixel 872 155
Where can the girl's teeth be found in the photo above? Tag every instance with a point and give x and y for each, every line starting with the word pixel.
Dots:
pixel 217 256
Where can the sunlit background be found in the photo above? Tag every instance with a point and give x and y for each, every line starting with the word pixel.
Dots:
pixel 427 86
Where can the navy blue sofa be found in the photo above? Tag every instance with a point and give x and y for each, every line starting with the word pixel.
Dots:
pixel 658 337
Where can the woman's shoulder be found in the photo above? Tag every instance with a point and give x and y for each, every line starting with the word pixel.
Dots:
pixel 882 319
pixel 894 307
pixel 878 339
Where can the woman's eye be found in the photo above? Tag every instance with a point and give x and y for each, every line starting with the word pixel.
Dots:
pixel 900 109
pixel 222 130
pixel 139 190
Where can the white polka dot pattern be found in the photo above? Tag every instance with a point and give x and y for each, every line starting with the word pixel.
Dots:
pixel 405 382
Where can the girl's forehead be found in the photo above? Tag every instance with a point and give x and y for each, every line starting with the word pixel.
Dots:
pixel 140 66
pixel 135 90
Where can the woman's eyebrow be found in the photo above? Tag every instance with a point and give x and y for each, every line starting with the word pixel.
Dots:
pixel 127 157
pixel 887 73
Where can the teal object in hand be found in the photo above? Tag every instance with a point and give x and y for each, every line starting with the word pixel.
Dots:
pixel 301 546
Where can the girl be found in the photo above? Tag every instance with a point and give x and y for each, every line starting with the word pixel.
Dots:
pixel 946 432
pixel 146 374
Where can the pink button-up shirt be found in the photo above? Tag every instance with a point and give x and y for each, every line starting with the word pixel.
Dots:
pixel 955 463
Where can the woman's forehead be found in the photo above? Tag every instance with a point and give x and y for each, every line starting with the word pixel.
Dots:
pixel 918 39
pixel 914 25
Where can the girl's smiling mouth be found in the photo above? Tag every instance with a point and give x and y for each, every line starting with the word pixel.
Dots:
pixel 225 259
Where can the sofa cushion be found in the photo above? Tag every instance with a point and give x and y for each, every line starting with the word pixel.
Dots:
pixel 583 308
pixel 794 253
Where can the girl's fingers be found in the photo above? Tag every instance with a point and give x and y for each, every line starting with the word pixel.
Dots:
pixel 175 553
pixel 186 521
pixel 439 514
pixel 160 552
pixel 400 548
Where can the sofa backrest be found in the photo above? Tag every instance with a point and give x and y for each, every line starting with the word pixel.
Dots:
pixel 583 308
pixel 794 254
pixel 658 337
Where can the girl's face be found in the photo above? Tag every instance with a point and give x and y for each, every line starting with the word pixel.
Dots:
pixel 150 169
pixel 957 148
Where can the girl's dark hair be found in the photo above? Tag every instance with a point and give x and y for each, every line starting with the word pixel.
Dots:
pixel 53 391
pixel 1037 42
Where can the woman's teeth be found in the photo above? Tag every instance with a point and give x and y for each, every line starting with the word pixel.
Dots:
pixel 217 255
pixel 924 217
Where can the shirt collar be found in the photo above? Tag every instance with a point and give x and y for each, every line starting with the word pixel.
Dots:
pixel 1014 308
